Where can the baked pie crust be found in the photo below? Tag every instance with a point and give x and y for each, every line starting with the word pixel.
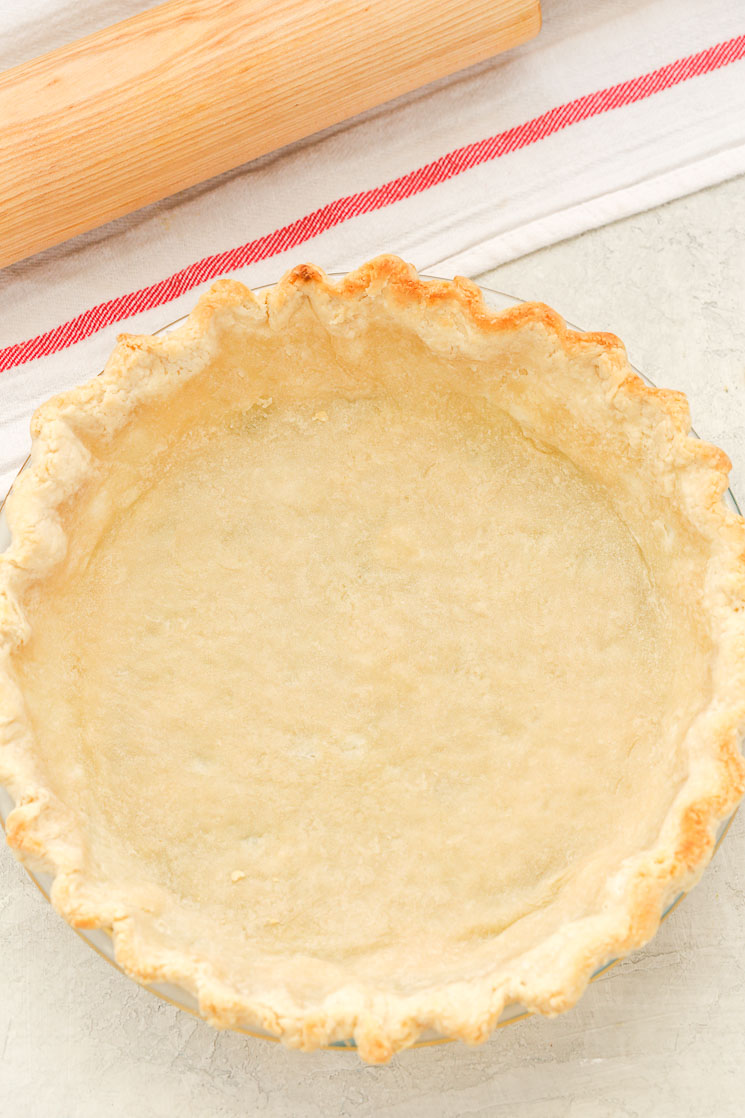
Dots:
pixel 370 660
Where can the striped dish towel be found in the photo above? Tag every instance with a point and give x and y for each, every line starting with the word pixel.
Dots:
pixel 614 108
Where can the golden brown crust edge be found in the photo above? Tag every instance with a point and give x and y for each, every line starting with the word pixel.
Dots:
pixel 547 981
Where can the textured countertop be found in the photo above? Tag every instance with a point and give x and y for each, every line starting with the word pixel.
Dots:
pixel 662 1034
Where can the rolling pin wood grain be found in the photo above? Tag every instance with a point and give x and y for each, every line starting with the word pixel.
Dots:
pixel 193 88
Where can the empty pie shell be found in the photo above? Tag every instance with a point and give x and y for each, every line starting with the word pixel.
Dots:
pixel 370 660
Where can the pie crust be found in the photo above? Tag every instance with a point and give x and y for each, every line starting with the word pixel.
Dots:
pixel 370 660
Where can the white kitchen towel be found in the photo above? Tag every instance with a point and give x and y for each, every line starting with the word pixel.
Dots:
pixel 614 108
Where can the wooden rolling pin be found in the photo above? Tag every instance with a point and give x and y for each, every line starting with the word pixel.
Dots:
pixel 194 87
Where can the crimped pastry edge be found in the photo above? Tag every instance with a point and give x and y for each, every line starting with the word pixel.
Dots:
pixel 548 979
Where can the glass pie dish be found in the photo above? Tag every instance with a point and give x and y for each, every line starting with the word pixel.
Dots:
pixel 102 943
